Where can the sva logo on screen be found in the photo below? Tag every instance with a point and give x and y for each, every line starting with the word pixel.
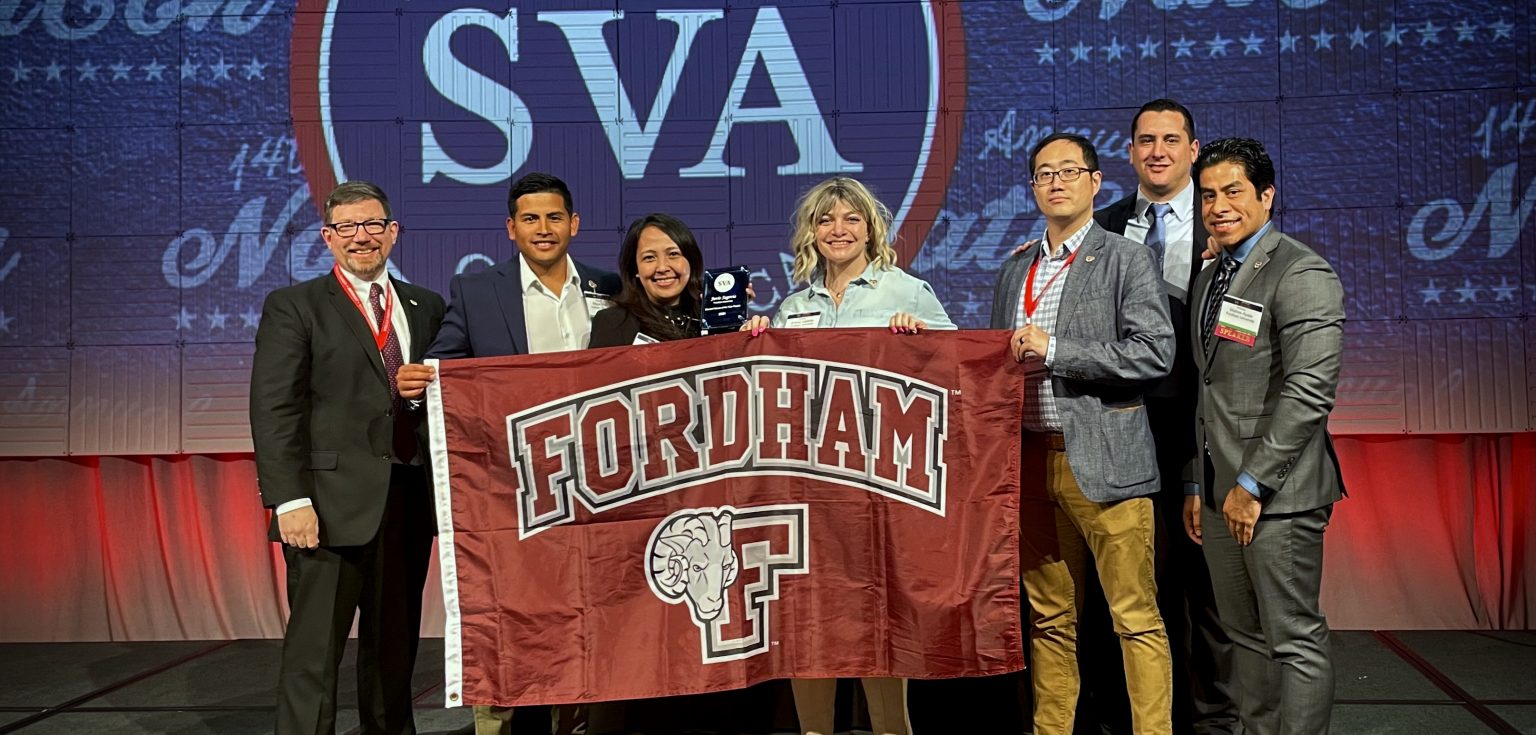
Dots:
pixel 466 99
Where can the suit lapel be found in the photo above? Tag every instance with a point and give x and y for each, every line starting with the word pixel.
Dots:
pixel 1258 257
pixel 1203 348
pixel 586 279
pixel 508 288
pixel 415 319
pixel 1083 266
pixel 1015 283
pixel 1197 248
pixel 356 323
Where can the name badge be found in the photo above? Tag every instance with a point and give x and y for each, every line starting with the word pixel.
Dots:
pixel 1238 320
pixel 807 320
pixel 596 303
pixel 641 338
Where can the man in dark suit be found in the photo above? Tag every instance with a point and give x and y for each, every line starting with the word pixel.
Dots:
pixel 1162 214
pixel 540 301
pixel 338 459
pixel 1091 330
pixel 1268 331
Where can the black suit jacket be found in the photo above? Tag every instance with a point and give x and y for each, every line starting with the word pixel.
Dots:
pixel 321 412
pixel 614 327
pixel 1172 400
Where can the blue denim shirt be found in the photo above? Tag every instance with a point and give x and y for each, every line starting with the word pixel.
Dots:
pixel 870 301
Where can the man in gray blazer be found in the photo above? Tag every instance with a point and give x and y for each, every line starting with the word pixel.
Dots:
pixel 1268 321
pixel 1091 329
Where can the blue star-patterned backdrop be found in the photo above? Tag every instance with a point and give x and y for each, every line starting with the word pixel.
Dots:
pixel 161 161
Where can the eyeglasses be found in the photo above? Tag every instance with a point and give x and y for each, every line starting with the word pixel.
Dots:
pixel 1067 176
pixel 348 229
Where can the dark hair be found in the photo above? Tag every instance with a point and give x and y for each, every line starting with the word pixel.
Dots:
pixel 1090 155
pixel 1247 152
pixel 1165 105
pixel 538 183
pixel 353 192
pixel 652 316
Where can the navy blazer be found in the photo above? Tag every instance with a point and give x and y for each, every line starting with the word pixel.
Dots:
pixel 485 310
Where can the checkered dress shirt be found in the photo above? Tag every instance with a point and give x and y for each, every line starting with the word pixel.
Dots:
pixel 1040 411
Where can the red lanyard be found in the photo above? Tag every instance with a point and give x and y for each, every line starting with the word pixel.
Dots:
pixel 1030 302
pixel 381 332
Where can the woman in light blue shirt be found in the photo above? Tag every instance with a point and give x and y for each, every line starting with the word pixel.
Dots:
pixel 844 256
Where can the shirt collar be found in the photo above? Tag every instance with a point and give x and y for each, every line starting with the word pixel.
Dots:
pixel 362 287
pixel 1182 202
pixel 1241 253
pixel 528 279
pixel 1068 246
pixel 867 278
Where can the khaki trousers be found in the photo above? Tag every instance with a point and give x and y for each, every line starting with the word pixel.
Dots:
pixel 1060 532
pixel 565 719
pixel 815 701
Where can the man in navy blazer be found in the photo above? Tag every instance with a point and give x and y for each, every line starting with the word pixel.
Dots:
pixel 542 300
pixel 487 311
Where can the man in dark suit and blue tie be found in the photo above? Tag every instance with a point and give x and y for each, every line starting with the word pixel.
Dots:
pixel 338 460
pixel 540 301
pixel 1163 214
pixel 1268 332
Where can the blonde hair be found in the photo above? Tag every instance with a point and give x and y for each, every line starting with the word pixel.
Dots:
pixel 820 200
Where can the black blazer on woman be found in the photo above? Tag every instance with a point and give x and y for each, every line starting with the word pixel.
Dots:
pixel 616 326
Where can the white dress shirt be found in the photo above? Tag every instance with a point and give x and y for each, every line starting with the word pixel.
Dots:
pixel 556 322
pixel 1178 239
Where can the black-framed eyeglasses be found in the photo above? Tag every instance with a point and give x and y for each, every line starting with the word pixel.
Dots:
pixel 1067 175
pixel 372 227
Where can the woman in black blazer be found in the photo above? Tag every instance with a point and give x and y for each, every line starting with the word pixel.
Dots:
pixel 663 273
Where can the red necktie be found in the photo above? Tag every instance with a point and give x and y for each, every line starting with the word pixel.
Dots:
pixel 405 434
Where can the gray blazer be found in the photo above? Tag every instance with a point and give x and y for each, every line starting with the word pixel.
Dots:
pixel 1113 339
pixel 1264 409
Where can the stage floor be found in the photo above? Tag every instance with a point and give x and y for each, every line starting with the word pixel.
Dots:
pixel 1441 682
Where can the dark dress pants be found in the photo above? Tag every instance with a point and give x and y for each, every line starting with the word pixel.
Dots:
pixel 382 582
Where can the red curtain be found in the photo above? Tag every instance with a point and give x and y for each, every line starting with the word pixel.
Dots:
pixel 1435 534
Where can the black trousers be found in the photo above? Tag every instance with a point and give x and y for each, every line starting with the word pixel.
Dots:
pixel 382 582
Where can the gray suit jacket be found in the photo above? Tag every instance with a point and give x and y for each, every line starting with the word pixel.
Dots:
pixel 1264 409
pixel 1113 339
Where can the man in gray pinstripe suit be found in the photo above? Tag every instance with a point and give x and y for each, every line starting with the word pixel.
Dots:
pixel 1268 329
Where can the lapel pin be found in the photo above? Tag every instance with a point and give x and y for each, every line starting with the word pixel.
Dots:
pixel 1089 259
pixel 591 285
pixel 413 302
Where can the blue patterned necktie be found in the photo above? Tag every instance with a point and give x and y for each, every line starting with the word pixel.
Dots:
pixel 1157 234
pixel 1219 286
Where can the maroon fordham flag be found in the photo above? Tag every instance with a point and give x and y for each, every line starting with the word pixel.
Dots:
pixel 706 514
